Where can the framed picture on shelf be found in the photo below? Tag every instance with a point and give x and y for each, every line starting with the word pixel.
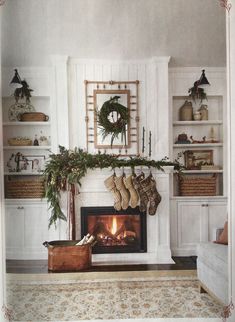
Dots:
pixel 194 159
pixel 25 166
pixel 38 162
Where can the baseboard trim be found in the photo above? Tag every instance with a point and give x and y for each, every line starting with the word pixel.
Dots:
pixel 81 276
pixel 206 290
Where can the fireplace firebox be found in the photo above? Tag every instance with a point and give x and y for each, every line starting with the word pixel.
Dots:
pixel 115 231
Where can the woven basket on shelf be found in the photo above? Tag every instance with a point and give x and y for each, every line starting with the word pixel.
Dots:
pixel 197 186
pixel 27 188
pixel 33 117
pixel 19 142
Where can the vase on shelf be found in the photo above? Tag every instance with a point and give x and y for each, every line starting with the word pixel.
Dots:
pixel 19 108
pixel 197 116
pixel 186 111
pixel 204 112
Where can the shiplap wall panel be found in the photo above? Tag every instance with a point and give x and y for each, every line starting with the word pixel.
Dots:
pixel 123 72
pixel 141 76
pixel 78 112
pixel 106 72
pixel 98 72
pixel 92 70
pixel 115 72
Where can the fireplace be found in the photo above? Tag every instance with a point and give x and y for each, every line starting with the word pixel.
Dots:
pixel 115 231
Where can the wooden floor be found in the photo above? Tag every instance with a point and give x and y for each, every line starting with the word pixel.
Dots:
pixel 40 266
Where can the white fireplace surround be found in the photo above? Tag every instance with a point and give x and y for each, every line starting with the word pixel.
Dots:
pixel 70 74
pixel 93 193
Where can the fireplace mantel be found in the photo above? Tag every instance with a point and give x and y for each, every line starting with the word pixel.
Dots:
pixel 154 117
pixel 93 193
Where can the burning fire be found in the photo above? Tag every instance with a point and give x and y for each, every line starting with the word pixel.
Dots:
pixel 114 225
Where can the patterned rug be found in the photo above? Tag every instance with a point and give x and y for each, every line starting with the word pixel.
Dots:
pixel 54 299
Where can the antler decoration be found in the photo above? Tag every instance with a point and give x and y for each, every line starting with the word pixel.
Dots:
pixel 225 4
pixel 8 314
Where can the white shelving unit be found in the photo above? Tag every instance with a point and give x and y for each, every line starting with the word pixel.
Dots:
pixel 198 130
pixel 31 130
pixel 194 218
pixel 27 218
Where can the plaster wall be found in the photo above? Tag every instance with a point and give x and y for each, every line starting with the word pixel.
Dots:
pixel 2 212
pixel 191 32
pixel 231 155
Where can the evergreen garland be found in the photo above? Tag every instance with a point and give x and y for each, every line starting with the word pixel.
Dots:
pixel 70 166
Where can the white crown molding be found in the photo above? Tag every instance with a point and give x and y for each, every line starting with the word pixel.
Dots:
pixel 160 59
pixel 190 70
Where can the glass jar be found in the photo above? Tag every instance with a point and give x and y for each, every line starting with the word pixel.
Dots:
pixel 204 112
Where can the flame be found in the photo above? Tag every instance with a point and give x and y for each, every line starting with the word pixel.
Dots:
pixel 114 225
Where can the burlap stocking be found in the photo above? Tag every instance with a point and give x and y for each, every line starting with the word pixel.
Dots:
pixel 134 198
pixel 149 186
pixel 110 185
pixel 142 194
pixel 123 191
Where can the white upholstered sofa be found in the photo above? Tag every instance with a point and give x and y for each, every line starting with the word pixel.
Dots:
pixel 212 270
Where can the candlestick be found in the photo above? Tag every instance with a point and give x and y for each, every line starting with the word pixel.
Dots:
pixel 143 146
pixel 150 143
pixel 212 134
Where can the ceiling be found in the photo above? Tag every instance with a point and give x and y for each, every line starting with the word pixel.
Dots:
pixel 191 32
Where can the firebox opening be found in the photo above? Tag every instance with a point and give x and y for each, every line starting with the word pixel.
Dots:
pixel 115 231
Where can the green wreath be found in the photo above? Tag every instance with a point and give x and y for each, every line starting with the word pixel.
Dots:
pixel 119 125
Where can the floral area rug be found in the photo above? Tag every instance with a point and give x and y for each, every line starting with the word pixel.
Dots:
pixel 70 300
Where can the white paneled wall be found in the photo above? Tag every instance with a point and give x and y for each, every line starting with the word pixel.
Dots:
pixel 153 96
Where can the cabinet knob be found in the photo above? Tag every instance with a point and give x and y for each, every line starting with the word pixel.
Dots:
pixel 205 205
pixel 20 207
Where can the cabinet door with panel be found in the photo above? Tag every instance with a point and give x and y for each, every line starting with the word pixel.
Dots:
pixel 193 222
pixel 27 229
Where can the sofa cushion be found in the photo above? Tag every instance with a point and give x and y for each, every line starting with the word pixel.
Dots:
pixel 223 237
pixel 214 256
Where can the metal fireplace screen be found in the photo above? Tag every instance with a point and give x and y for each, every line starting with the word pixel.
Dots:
pixel 115 231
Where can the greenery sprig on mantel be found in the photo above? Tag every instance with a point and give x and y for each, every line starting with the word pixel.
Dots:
pixel 70 166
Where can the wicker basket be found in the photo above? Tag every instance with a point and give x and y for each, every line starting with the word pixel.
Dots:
pixel 19 142
pixel 197 186
pixel 33 117
pixel 26 188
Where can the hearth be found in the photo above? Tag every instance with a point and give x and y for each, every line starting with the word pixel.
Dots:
pixel 115 231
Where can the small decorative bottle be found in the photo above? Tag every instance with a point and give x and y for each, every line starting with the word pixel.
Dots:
pixel 35 142
pixel 204 112
pixel 212 134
